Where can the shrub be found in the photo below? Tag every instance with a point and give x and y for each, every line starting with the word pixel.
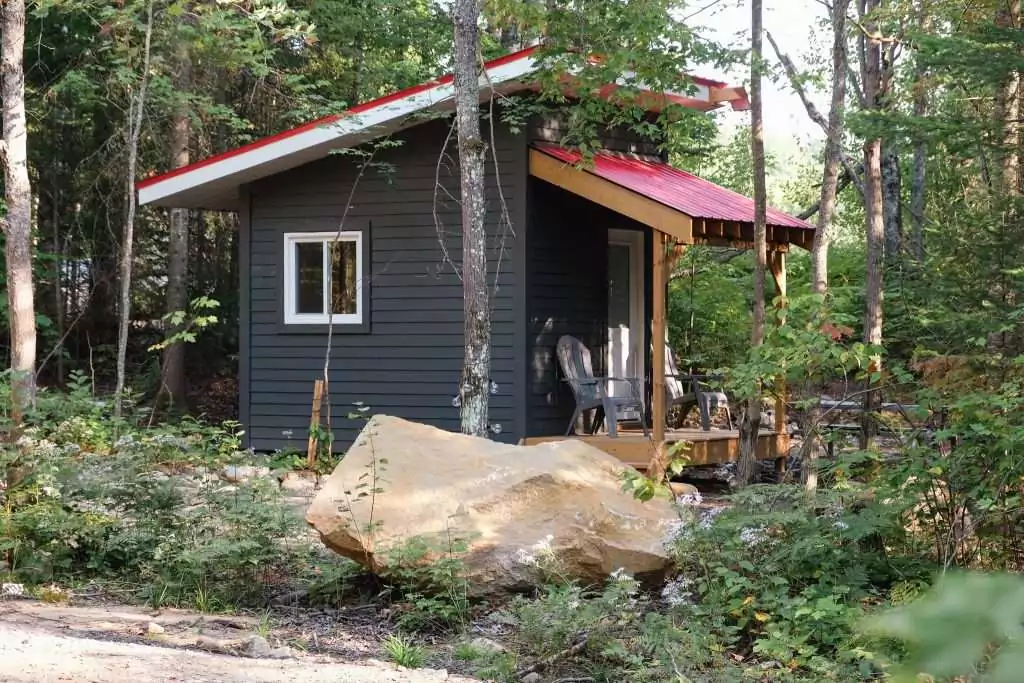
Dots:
pixel 779 579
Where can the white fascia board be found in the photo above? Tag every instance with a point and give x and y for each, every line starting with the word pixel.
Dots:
pixel 333 132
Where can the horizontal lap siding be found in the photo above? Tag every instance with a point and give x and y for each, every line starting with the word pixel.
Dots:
pixel 409 362
pixel 567 287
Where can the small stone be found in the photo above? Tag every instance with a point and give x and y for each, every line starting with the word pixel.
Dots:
pixel 155 629
pixel 532 678
pixel 236 474
pixel 486 645
pixel 257 646
pixel 678 489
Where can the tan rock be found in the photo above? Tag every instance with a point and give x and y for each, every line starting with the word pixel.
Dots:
pixel 512 504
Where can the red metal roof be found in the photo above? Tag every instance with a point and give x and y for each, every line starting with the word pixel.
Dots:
pixel 677 189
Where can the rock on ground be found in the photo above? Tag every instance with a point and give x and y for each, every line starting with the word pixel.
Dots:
pixel 512 505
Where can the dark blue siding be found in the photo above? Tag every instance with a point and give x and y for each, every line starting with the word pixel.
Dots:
pixel 409 361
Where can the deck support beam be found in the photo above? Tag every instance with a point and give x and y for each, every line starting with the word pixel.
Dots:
pixel 777 264
pixel 659 283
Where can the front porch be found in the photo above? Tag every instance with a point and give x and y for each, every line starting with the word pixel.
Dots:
pixel 705 448
pixel 615 229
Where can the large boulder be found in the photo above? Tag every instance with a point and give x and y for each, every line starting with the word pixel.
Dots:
pixel 512 505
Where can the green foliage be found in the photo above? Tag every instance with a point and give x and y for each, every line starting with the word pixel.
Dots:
pixel 428 583
pixel 968 625
pixel 144 509
pixel 403 652
pixel 787 579
pixel 184 326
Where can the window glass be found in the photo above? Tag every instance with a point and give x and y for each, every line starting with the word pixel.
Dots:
pixel 309 269
pixel 343 277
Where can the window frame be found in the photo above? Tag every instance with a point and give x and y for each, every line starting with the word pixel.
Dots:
pixel 325 238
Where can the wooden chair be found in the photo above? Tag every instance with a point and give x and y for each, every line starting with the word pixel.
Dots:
pixel 688 390
pixel 595 392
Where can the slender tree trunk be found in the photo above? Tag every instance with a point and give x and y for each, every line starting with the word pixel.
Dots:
pixel 833 151
pixel 1007 110
pixel 874 211
pixel 17 222
pixel 919 168
pixel 177 241
pixel 476 368
pixel 892 203
pixel 812 446
pixel 137 105
pixel 751 419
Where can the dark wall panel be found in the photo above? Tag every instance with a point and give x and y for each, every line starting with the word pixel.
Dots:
pixel 409 360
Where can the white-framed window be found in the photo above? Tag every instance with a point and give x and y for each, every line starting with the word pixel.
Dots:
pixel 323 274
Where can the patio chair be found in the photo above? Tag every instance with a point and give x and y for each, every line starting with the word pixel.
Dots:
pixel 595 392
pixel 688 390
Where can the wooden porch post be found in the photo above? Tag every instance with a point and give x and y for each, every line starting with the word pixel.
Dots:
pixel 659 282
pixel 777 263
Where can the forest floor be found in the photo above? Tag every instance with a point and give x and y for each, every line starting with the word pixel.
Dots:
pixel 44 643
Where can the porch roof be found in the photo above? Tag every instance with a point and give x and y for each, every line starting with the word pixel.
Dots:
pixel 651 191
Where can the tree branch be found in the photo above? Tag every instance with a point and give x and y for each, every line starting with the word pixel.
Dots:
pixel 812 110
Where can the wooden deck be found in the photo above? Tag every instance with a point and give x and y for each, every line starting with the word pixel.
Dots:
pixel 706 448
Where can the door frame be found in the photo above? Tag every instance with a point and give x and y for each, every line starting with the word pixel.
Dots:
pixel 634 240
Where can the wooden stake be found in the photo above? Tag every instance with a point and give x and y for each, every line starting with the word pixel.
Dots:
pixel 314 423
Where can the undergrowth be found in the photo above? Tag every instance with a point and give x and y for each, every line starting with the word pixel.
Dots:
pixel 140 507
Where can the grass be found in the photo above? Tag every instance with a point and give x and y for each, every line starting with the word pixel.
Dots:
pixel 403 652
pixel 466 652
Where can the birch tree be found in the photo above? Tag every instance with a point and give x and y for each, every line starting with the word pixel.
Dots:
pixel 751 420
pixel 17 221
pixel 135 111
pixel 476 366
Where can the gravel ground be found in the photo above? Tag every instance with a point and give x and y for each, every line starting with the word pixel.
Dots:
pixel 46 645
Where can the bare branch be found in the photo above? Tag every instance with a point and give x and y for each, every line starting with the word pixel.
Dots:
pixel 794 80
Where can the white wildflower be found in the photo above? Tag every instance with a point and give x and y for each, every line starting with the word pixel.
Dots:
pixel 124 441
pixel 841 525
pixel 707 517
pixel 621 574
pixel 676 530
pixel 526 558
pixel 753 536
pixel 677 592
pixel 690 499
pixel 11 590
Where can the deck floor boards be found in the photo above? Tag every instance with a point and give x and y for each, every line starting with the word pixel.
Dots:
pixel 705 448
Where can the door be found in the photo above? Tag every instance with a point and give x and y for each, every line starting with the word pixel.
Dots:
pixel 625 309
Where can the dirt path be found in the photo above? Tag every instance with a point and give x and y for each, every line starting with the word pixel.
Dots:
pixel 48 644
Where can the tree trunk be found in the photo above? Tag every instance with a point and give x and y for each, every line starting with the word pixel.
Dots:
pixel 751 419
pixel 476 367
pixel 17 222
pixel 1007 111
pixel 137 104
pixel 919 168
pixel 833 151
pixel 874 212
pixel 892 203
pixel 177 241
pixel 812 446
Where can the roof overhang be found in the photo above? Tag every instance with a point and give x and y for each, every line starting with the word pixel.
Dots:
pixel 689 209
pixel 214 183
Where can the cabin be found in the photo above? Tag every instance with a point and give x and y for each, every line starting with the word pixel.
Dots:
pixel 366 242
